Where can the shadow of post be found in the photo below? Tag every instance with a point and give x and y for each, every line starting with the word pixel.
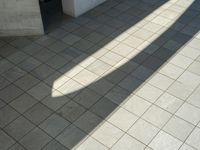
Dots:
pixel 152 62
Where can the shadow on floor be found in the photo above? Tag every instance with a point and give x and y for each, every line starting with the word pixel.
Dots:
pixel 168 44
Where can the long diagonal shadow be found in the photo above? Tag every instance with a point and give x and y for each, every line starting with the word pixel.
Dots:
pixel 152 62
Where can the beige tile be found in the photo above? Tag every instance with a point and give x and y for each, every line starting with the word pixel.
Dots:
pixel 157 116
pixel 122 119
pixel 149 93
pixel 181 61
pixel 128 143
pixel 107 134
pixel 99 67
pixel 122 49
pixel 164 141
pixel 171 71
pixel 194 138
pixel 133 41
pixel 111 58
pixel 91 144
pixel 160 81
pixel 85 77
pixel 152 27
pixel 136 105
pixel 189 113
pixel 143 131
pixel 194 98
pixel 161 20
pixel 169 102
pixel 178 128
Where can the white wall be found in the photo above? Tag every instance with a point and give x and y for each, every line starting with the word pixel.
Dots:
pixel 20 17
pixel 76 8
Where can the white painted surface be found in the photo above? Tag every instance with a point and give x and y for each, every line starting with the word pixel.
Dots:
pixel 76 8
pixel 20 17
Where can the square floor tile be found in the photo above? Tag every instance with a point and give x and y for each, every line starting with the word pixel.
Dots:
pixel 5 141
pixel 99 67
pixel 149 93
pixel 35 139
pixel 18 57
pixel 91 144
pixel 194 67
pixel 32 48
pixel 45 40
pixel 107 134
pixel 128 143
pixel 142 73
pixel 29 64
pixel 71 39
pixel 87 98
pixel 23 103
pixel 186 147
pixel 194 98
pixel 40 91
pixel 122 119
pixel 95 37
pixel 130 83
pixel 164 141
pixel 143 131
pixel 180 90
pixel 104 107
pixel 122 49
pixel 19 127
pixel 157 116
pixel 9 93
pixel 38 113
pixel 54 125
pixel 13 74
pixel 71 136
pixel 101 86
pixel 85 77
pixel 133 41
pixel 88 122
pixel 54 145
pixel 58 46
pixel 118 95
pixel 160 81
pixel 42 72
pixel 169 102
pixel 26 82
pixel 111 58
pixel 181 61
pixel 189 113
pixel 194 138
pixel 2 103
pixel 17 147
pixel 7 115
pixel 7 50
pixel 57 62
pixel 136 105
pixel 3 82
pixel 171 71
pixel 71 111
pixel 83 45
pixel 20 42
pixel 173 128
pixel 5 65
pixel 44 54
pixel 70 88
pixel 55 102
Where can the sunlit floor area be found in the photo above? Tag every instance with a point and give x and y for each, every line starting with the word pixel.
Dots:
pixel 123 76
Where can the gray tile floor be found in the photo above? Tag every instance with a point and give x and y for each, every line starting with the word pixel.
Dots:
pixel 124 76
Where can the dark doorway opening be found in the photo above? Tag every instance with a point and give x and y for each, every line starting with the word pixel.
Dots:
pixel 51 11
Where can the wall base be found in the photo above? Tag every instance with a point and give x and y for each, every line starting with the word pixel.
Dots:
pixel 76 8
